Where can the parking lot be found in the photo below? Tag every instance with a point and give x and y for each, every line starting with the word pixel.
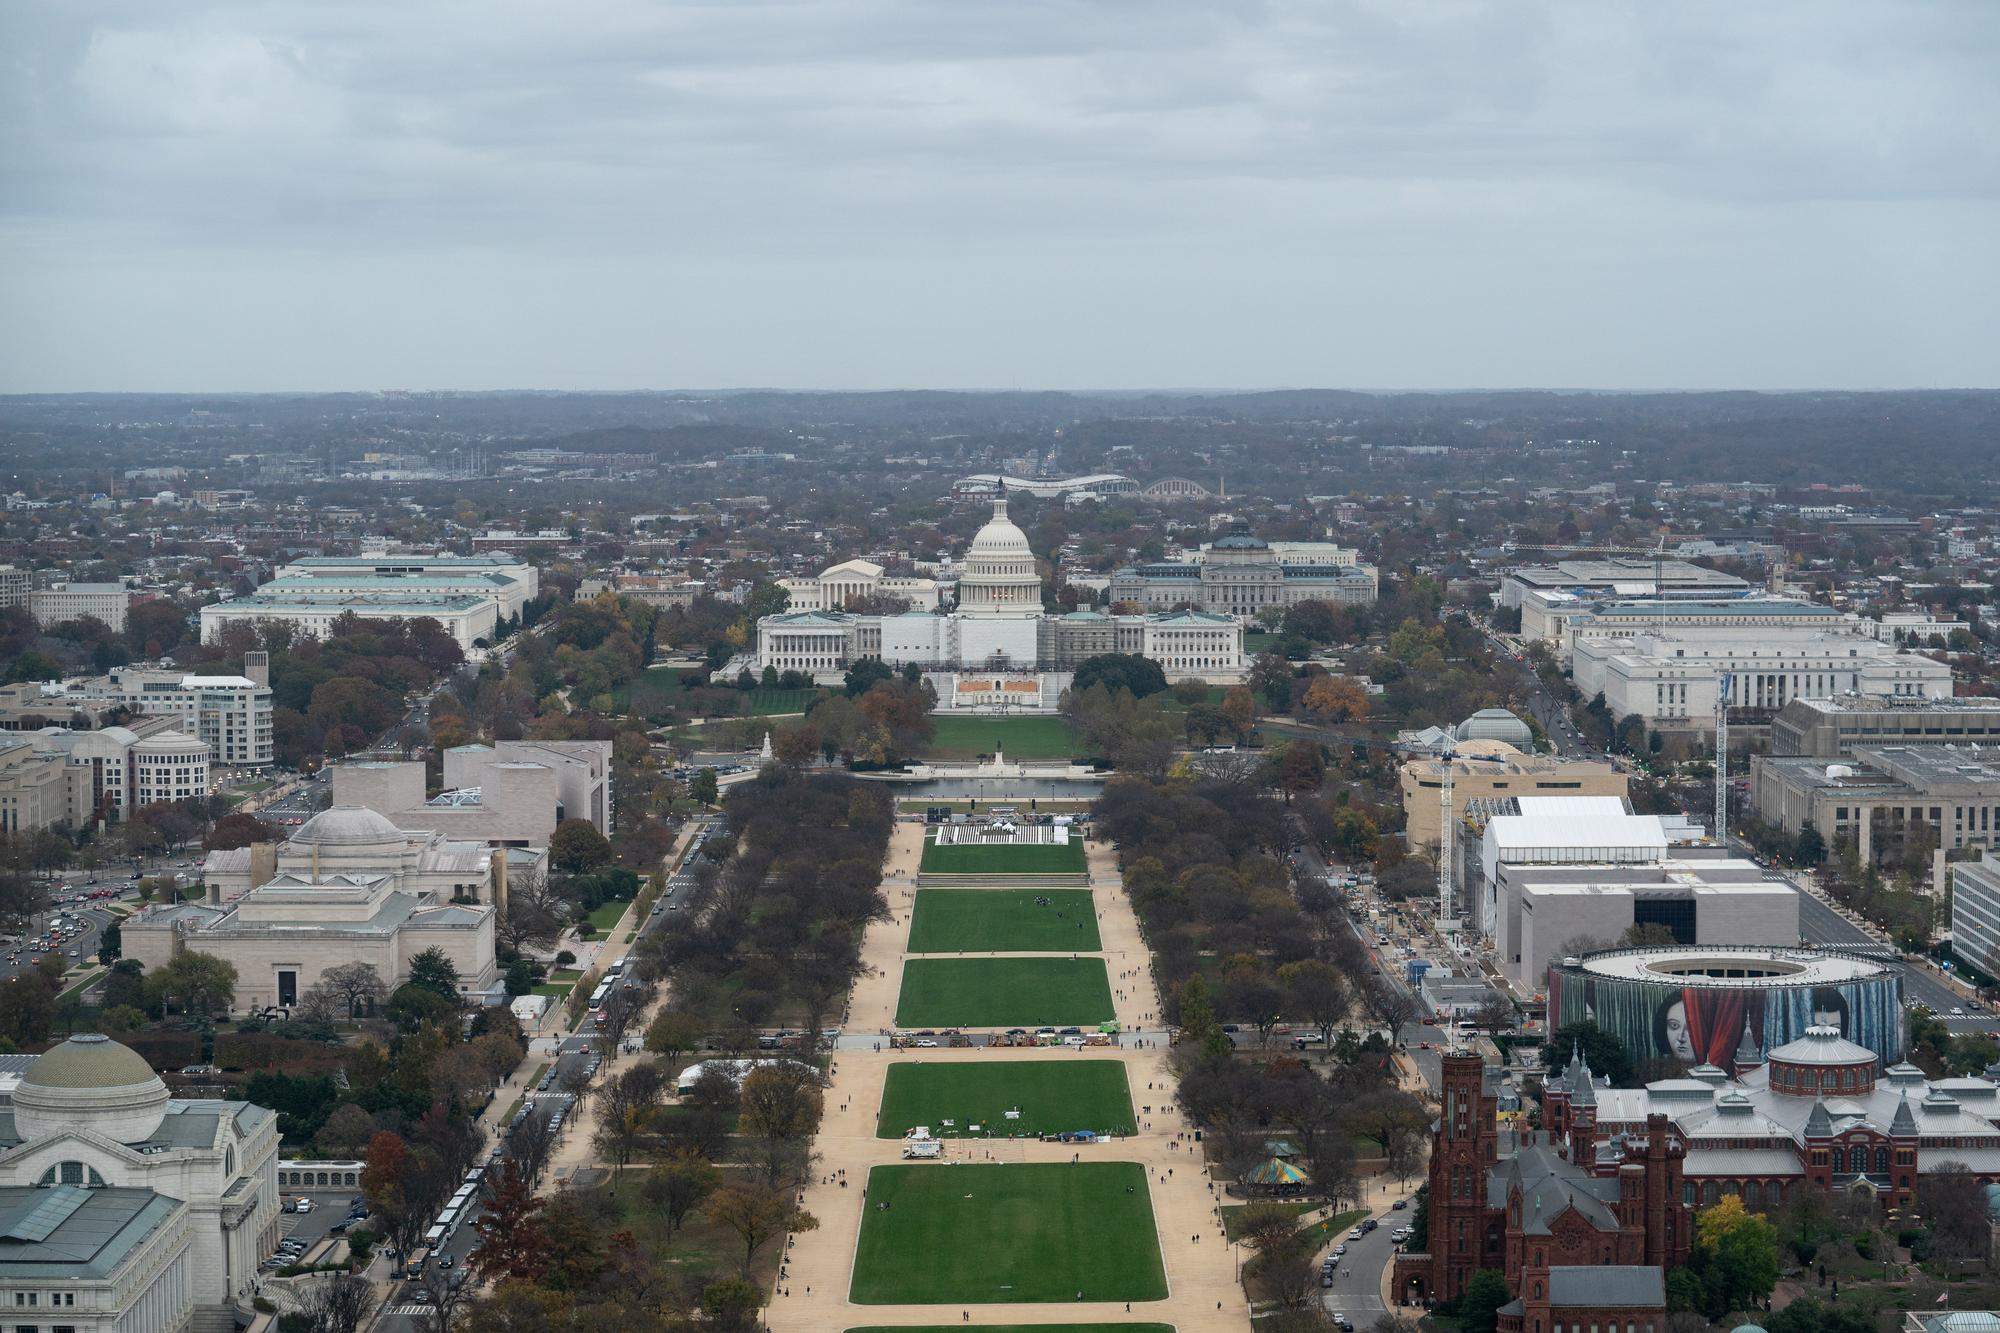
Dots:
pixel 330 1209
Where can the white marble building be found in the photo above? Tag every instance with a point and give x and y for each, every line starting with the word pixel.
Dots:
pixel 999 625
pixel 123 1210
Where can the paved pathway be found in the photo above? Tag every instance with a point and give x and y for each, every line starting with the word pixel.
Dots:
pixel 1204 1294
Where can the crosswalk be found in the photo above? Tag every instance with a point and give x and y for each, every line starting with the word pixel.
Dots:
pixel 409 1309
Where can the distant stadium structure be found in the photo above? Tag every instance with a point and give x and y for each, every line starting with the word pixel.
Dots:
pixel 1728 1006
pixel 994 484
pixel 1176 488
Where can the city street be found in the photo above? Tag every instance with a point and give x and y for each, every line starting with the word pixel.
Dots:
pixel 572 1052
pixel 1357 1280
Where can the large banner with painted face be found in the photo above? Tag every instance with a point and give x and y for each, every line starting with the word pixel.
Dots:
pixel 1694 1021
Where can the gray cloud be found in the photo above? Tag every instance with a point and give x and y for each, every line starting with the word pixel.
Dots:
pixel 289 194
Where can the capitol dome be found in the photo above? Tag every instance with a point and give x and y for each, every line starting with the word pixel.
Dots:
pixel 1000 569
pixel 347 826
pixel 93 1083
pixel 1000 539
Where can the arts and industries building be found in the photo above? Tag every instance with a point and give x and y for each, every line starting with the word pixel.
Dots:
pixel 1670 680
pixel 349 886
pixel 468 595
pixel 123 1209
pixel 998 638
pixel 1583 1215
pixel 1241 575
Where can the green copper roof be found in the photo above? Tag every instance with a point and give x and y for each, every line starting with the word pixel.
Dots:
pixel 89 1060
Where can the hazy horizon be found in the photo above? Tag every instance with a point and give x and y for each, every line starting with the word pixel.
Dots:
pixel 872 196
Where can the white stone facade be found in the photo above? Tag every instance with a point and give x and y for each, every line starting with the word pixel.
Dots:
pixel 832 589
pixel 469 620
pixel 232 713
pixel 1672 679
pixel 999 625
pixel 175 1202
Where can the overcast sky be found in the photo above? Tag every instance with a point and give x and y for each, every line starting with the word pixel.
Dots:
pixel 304 194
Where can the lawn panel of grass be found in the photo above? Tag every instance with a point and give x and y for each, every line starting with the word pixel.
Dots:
pixel 1003 921
pixel 604 916
pixel 980 1233
pixel 1003 858
pixel 1018 737
pixel 1003 992
pixel 1051 1095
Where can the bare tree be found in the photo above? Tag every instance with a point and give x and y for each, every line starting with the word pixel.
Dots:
pixel 318 1004
pixel 781 1105
pixel 615 1019
pixel 448 1291
pixel 624 1113
pixel 535 912
pixel 336 1304
pixel 532 1141
pixel 358 985
pixel 1951 1201
pixel 1392 1007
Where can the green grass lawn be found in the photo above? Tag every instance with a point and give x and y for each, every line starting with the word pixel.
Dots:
pixel 1019 737
pixel 1337 1226
pixel 1051 1095
pixel 1003 921
pixel 765 703
pixel 1004 858
pixel 1003 992
pixel 981 1233
pixel 605 916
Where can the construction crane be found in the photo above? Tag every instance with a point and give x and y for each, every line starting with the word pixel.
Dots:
pixel 1447 918
pixel 1725 684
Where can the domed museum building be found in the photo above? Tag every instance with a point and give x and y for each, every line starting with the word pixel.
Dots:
pixel 123 1209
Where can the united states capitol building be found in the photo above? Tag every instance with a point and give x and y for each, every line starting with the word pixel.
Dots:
pixel 998 647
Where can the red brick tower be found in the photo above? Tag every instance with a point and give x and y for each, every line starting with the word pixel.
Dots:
pixel 1467 1147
